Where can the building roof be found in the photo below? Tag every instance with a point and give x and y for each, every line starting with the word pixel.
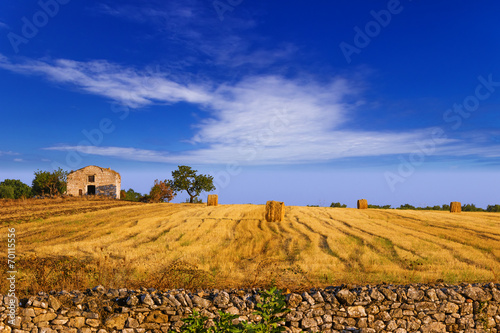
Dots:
pixel 95 166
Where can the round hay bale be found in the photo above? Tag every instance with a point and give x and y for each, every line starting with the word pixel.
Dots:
pixel 362 204
pixel 212 200
pixel 455 207
pixel 275 211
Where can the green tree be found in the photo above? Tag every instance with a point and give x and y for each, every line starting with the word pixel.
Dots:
pixel 6 192
pixel 131 195
pixel 338 205
pixel 49 182
pixel 186 179
pixel 380 207
pixel 493 208
pixel 471 208
pixel 21 190
pixel 406 206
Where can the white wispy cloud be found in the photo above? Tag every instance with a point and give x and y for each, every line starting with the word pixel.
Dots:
pixel 267 119
pixel 8 153
pixel 129 86
pixel 354 146
pixel 134 154
pixel 193 27
pixel 3 25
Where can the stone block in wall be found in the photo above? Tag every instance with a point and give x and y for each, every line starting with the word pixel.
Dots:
pixel 345 297
pixel 477 294
pixel 356 311
pixel 116 321
pixel 93 322
pixel 200 302
pixel 44 317
pixel 156 317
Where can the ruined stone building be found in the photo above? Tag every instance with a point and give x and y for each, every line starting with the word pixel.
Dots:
pixel 93 180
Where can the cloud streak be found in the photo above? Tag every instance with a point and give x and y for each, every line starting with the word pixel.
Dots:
pixel 194 29
pixel 266 119
pixel 126 85
pixel 8 153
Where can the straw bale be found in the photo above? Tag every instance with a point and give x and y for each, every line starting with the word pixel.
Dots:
pixel 362 204
pixel 455 207
pixel 275 211
pixel 212 200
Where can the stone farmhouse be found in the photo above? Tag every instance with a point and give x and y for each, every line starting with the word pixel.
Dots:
pixel 94 180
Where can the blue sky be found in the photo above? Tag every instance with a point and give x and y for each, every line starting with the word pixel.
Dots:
pixel 304 102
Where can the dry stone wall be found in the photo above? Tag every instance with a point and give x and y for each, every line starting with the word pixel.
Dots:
pixel 367 309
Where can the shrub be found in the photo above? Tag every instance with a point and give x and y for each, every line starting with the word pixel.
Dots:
pixel 6 192
pixel 471 208
pixel 131 195
pixel 271 308
pixel 406 206
pixel 338 205
pixel 194 200
pixel 145 198
pixel 21 190
pixel 380 207
pixel 161 192
pixel 493 208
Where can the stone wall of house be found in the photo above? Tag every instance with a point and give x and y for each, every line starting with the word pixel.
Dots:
pixel 106 181
pixel 368 309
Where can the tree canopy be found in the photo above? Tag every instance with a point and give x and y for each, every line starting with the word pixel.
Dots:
pixel 161 192
pixel 19 189
pixel 186 179
pixel 47 182
pixel 131 195
pixel 6 192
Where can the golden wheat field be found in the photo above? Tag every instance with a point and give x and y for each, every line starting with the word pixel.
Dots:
pixel 194 245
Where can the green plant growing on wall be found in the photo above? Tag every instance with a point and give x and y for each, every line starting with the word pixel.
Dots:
pixel 195 323
pixel 270 309
pixel 225 324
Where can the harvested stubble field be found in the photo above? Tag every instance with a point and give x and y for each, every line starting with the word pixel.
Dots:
pixel 29 209
pixel 192 246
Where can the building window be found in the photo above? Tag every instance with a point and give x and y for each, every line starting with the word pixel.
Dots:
pixel 91 179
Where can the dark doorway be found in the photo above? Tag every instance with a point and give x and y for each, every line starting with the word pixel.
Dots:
pixel 80 192
pixel 91 190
